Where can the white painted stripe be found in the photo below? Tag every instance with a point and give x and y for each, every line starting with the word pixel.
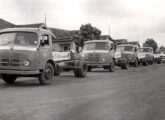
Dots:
pixel 24 48
pixel 96 51
pixel 5 47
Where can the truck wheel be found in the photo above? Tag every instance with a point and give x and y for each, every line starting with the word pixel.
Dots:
pixel 145 63
pixel 135 63
pixel 57 72
pixel 47 75
pixel 124 66
pixel 152 62
pixel 159 61
pixel 112 66
pixel 89 68
pixel 9 79
pixel 81 72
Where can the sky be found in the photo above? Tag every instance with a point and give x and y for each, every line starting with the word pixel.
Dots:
pixel 135 20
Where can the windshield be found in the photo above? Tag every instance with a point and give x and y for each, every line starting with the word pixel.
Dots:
pixel 145 50
pixel 124 48
pixel 18 38
pixel 163 52
pixel 96 46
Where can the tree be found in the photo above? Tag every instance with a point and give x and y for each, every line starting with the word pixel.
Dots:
pixel 87 32
pixel 150 42
pixel 162 48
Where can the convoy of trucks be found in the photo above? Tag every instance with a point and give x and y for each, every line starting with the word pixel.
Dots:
pixel 28 52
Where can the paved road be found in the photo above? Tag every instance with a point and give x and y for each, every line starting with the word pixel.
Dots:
pixel 133 94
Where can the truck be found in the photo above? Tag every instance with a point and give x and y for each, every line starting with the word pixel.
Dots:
pixel 146 55
pixel 126 54
pixel 99 53
pixel 162 55
pixel 28 52
pixel 157 57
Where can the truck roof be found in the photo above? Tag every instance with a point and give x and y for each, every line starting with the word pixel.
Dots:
pixel 98 41
pixel 147 47
pixel 36 30
pixel 127 45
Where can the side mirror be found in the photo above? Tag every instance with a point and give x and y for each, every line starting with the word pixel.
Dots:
pixel 42 42
pixel 111 48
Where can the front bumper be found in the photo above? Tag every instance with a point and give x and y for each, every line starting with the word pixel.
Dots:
pixel 97 64
pixel 20 72
pixel 142 59
pixel 163 58
pixel 158 59
pixel 120 61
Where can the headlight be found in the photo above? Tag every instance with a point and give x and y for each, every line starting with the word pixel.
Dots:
pixel 141 55
pixel 118 55
pixel 103 59
pixel 82 54
pixel 26 63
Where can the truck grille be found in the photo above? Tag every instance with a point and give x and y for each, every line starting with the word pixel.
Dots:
pixel 10 62
pixel 94 58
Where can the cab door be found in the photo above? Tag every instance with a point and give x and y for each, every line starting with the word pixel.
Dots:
pixel 45 49
pixel 135 53
pixel 111 52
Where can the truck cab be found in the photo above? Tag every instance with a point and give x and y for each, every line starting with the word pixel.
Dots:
pixel 99 53
pixel 162 55
pixel 146 55
pixel 27 52
pixel 126 54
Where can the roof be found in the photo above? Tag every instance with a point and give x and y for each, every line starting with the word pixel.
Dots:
pixel 5 24
pixel 64 40
pixel 105 37
pixel 59 33
pixel 119 41
pixel 26 29
pixel 64 34
pixel 127 45
pixel 147 47
pixel 98 41
pixel 37 25
pixel 133 42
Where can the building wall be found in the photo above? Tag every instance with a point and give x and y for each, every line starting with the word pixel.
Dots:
pixel 59 46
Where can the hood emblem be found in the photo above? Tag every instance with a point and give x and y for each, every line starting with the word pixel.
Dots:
pixel 10 62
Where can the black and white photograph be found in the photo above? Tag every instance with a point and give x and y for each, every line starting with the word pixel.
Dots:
pixel 82 60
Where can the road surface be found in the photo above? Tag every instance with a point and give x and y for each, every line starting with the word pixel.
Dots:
pixel 133 94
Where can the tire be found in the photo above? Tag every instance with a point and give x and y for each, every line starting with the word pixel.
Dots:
pixel 57 72
pixel 81 72
pixel 124 66
pixel 89 68
pixel 46 76
pixel 9 79
pixel 135 63
pixel 112 66
pixel 145 63
pixel 159 62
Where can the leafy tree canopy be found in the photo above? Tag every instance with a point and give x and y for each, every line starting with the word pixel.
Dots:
pixel 150 42
pixel 87 32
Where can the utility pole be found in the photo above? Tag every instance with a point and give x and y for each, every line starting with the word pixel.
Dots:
pixel 109 30
pixel 45 18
